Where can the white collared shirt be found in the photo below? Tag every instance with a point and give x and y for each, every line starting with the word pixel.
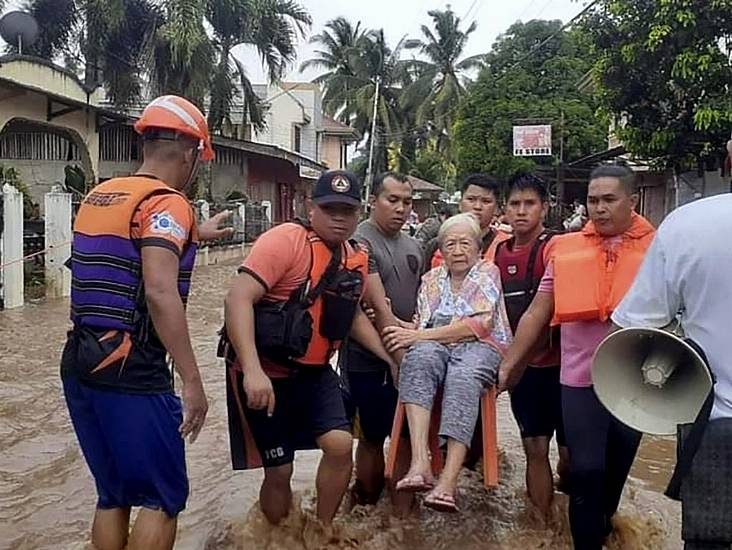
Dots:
pixel 688 268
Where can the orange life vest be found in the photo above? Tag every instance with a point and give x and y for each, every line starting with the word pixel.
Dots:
pixel 590 278
pixel 489 254
pixel 106 263
pixel 354 259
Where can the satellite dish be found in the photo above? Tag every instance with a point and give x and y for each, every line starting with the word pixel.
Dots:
pixel 19 28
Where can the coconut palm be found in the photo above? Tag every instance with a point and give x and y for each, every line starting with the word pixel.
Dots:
pixel 104 39
pixel 339 45
pixel 129 45
pixel 185 54
pixel 442 74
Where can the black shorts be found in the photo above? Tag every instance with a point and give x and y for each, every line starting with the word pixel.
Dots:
pixel 308 404
pixel 374 398
pixel 537 404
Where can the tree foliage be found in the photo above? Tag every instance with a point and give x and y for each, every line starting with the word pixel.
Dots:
pixel 103 40
pixel 442 75
pixel 523 84
pixel 664 72
pixel 417 95
pixel 171 46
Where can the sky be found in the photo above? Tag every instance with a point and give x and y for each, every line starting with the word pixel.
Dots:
pixel 405 17
pixel 400 17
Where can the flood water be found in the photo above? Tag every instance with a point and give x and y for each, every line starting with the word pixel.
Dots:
pixel 47 494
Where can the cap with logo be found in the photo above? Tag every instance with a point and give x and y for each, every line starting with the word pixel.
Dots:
pixel 337 187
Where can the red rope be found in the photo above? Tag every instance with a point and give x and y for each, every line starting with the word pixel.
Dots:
pixel 29 256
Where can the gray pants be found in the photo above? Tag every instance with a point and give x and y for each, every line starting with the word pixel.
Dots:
pixel 464 370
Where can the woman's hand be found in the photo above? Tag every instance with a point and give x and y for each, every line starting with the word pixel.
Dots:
pixel 396 338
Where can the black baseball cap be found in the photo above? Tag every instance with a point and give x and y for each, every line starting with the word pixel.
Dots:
pixel 337 187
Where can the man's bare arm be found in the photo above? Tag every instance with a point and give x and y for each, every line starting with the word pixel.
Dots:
pixel 160 275
pixel 239 317
pixel 375 296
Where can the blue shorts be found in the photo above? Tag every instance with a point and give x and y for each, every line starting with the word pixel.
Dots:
pixel 132 446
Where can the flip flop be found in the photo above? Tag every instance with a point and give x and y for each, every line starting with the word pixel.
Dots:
pixel 417 483
pixel 441 503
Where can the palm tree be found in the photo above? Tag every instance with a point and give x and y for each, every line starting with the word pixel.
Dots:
pixel 339 44
pixel 103 38
pixel 185 53
pixel 442 76
pixel 355 60
pixel 129 45
pixel 377 62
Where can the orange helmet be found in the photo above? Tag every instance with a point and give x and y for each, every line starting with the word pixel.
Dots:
pixel 170 112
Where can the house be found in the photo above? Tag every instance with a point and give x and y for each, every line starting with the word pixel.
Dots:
pixel 336 137
pixel 425 194
pixel 295 122
pixel 661 191
pixel 49 121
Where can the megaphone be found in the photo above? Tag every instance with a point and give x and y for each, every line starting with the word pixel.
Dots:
pixel 651 379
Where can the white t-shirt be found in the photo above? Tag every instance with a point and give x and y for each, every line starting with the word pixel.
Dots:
pixel 688 268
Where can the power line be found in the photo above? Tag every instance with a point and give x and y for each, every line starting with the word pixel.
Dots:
pixel 529 54
pixel 470 9
pixel 542 10
pixel 526 9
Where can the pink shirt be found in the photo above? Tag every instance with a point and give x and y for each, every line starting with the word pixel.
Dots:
pixel 579 342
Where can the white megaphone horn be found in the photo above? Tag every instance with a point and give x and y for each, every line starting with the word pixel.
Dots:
pixel 651 379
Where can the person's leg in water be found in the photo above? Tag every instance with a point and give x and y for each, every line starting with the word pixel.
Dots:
pixel 563 469
pixel 539 479
pixel 275 494
pixel 369 471
pixel 375 399
pixel 137 457
pixel 587 424
pixel 622 447
pixel 536 406
pixel 111 525
pixel 422 373
pixel 334 472
pixel 111 528
pixel 153 530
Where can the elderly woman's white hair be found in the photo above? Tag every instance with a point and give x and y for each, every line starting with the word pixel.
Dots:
pixel 463 221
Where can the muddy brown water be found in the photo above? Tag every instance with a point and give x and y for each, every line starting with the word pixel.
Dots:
pixel 47 494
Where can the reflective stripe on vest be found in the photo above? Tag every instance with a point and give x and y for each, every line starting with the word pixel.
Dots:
pixel 106 263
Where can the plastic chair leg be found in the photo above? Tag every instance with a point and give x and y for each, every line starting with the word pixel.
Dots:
pixel 490 439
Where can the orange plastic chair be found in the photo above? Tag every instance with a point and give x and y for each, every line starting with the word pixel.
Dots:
pixel 490 438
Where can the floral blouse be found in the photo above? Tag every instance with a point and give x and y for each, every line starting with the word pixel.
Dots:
pixel 479 303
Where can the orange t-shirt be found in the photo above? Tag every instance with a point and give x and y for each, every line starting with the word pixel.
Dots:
pixel 164 220
pixel 280 261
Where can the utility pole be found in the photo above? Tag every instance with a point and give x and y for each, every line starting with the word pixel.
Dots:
pixel 560 168
pixel 369 172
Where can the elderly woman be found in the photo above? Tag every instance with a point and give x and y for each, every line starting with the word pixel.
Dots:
pixel 461 330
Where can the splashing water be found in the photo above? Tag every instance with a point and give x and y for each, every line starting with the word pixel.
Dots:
pixel 47 494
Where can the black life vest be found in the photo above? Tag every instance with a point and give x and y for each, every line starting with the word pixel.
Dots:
pixel 521 273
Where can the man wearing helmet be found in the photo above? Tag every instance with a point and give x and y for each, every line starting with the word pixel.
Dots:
pixel 134 246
